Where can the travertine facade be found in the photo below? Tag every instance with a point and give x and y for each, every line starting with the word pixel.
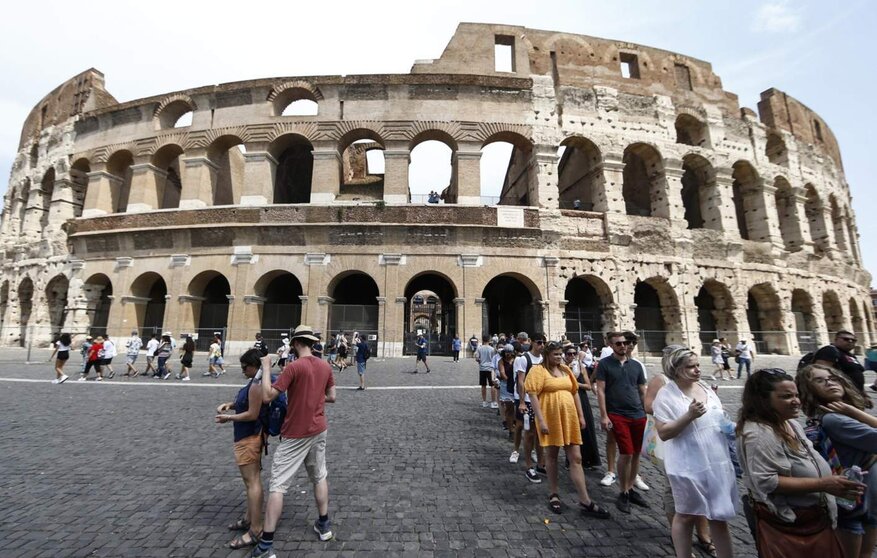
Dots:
pixel 638 195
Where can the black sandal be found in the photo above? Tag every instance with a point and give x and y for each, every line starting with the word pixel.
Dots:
pixel 593 510
pixel 240 525
pixel 238 542
pixel 707 546
pixel 554 503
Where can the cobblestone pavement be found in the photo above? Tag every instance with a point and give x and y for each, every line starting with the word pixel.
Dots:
pixel 135 467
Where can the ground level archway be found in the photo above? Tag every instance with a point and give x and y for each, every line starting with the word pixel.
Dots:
pixel 354 307
pixel 430 309
pixel 509 307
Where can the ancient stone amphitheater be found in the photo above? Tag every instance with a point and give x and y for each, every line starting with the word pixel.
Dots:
pixel 638 194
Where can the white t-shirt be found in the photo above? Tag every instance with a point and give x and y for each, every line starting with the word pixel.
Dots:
pixel 521 366
pixel 151 347
pixel 62 347
pixel 109 349
pixel 745 350
pixel 605 352
pixel 588 358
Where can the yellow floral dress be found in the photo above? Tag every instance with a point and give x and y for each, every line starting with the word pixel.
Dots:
pixel 558 406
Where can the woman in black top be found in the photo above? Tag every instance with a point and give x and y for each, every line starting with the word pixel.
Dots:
pixel 247 407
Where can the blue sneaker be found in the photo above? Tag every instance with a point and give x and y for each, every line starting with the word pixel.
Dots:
pixel 266 554
pixel 323 529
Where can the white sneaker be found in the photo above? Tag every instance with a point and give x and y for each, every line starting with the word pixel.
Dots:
pixel 638 482
pixel 99 379
pixel 513 458
pixel 484 404
pixel 494 405
pixel 63 378
pixel 186 379
pixel 81 379
pixel 56 381
pixel 609 479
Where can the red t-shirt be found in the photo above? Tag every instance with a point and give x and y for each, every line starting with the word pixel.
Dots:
pixel 305 382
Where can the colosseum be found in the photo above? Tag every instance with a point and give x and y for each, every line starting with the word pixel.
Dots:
pixel 638 195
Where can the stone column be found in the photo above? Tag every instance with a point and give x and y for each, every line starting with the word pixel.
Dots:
pixel 199 177
pixel 543 189
pixel 473 318
pixel 396 348
pixel 611 199
pixel 32 226
pixel 459 308
pixel 14 217
pixel 800 229
pixel 305 311
pixel 325 304
pixel 830 242
pixel 717 205
pixel 259 171
pixel 63 205
pixel 397 157
pixel 667 197
pixel 842 241
pixel 147 188
pixel 467 160
pixel 383 330
pixel 759 204
pixel 100 193
pixel 326 181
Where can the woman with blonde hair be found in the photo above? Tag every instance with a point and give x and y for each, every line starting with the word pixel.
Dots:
pixel 837 409
pixel 688 418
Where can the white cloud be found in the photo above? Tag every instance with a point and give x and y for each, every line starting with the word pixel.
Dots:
pixel 777 17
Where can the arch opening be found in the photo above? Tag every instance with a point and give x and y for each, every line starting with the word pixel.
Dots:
pixel 715 316
pixel 432 169
pixel 227 153
pixel 588 303
pixel 295 169
pixel 56 297
pixel 776 151
pixel 430 309
pixel 79 184
pixel 785 204
pixel 47 189
pixel 281 309
pixel 806 327
pixel 355 307
pixel 505 170
pixel 697 176
pixel 98 292
pixel 509 307
pixel 176 114
pixel 149 311
pixel 763 314
pixel 362 168
pixel 296 101
pixel 119 166
pixel 642 180
pixel 580 175
pixel 210 291
pixel 25 307
pixel 833 312
pixel 169 186
pixel 743 192
pixel 815 216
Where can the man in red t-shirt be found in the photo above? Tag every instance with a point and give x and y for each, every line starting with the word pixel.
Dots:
pixel 309 385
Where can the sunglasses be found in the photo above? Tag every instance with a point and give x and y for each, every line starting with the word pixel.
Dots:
pixel 622 343
pixel 848 339
pixel 539 342
pixel 570 354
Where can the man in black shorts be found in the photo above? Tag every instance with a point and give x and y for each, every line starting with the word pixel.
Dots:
pixel 484 358
pixel 422 345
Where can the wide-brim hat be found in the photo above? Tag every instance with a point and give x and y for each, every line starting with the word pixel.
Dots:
pixel 304 332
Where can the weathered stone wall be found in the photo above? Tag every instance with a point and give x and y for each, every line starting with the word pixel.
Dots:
pixel 104 197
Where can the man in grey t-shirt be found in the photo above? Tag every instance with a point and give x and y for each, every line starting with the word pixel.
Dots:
pixel 484 357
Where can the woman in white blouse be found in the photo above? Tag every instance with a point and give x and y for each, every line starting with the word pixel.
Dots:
pixel 688 418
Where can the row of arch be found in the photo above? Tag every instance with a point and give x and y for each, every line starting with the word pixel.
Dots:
pixel 584 181
pixel 509 302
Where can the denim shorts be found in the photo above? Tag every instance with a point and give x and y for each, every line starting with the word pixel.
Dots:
pixel 360 368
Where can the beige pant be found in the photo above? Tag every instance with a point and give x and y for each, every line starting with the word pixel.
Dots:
pixel 290 455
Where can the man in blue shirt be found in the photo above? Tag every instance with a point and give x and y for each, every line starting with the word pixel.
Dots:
pixel 362 354
pixel 422 344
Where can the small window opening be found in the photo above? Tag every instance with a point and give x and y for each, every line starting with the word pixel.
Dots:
pixel 184 120
pixel 629 66
pixel 817 129
pixel 504 53
pixel 683 77
pixel 43 114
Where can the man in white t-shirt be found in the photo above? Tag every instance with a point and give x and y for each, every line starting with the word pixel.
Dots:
pixel 151 347
pixel 522 365
pixel 484 357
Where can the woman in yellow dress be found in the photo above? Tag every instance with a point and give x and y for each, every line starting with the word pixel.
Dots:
pixel 559 422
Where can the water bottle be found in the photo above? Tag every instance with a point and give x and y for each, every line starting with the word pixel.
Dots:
pixel 854 473
pixel 526 421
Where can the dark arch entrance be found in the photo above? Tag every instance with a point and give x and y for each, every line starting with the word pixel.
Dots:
pixel 56 297
pixel 150 316
pixel 805 321
pixel 355 307
pixel 509 307
pixel 429 301
pixel 584 310
pixel 281 310
pixel 648 317
pixel 213 314
pixel 99 283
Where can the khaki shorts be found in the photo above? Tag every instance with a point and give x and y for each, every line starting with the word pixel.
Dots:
pixel 290 455
pixel 248 450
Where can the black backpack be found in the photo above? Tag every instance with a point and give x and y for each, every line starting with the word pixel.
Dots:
pixel 806 360
pixel 366 352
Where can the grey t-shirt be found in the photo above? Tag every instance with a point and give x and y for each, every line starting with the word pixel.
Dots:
pixel 622 386
pixel 484 356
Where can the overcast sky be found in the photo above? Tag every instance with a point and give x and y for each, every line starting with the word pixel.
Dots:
pixel 815 51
